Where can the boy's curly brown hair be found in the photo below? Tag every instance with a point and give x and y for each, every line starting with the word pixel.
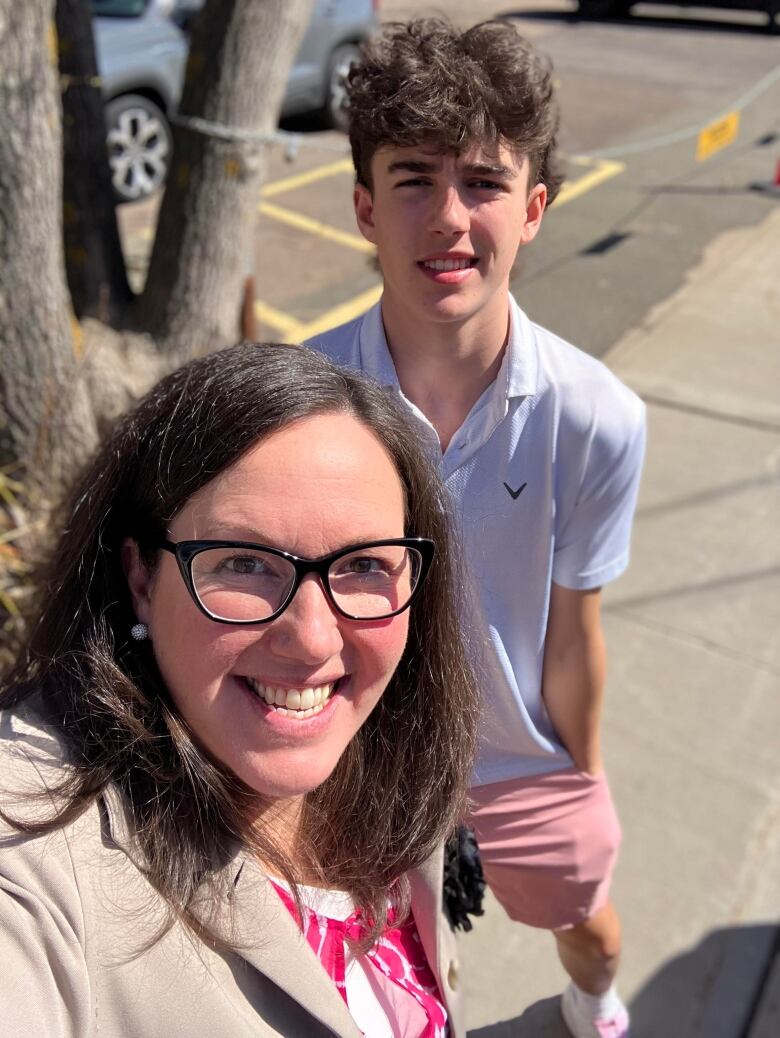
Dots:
pixel 425 81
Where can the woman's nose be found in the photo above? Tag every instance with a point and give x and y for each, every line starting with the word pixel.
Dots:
pixel 309 630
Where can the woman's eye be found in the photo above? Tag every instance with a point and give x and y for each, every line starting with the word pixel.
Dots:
pixel 244 564
pixel 363 566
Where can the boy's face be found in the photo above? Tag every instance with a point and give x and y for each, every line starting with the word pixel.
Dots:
pixel 447 227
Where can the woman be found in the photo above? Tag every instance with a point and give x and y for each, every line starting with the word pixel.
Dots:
pixel 243 724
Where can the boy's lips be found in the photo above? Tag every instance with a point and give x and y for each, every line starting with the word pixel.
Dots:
pixel 448 268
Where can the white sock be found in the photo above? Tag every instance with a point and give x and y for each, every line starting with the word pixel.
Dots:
pixel 597 1007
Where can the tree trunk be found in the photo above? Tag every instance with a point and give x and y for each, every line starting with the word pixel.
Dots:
pixel 94 263
pixel 46 421
pixel 238 64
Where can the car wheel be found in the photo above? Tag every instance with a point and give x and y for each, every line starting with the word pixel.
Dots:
pixel 334 111
pixel 140 146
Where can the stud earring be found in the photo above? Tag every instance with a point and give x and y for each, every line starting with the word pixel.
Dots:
pixel 139 632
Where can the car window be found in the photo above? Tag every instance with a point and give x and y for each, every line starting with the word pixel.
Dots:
pixel 119 8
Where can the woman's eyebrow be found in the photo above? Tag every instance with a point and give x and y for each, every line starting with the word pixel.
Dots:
pixel 233 532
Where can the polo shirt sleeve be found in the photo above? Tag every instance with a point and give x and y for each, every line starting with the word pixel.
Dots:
pixel 592 543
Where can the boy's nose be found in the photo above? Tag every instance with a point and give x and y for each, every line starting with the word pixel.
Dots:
pixel 450 215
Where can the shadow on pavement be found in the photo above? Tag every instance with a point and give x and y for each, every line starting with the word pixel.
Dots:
pixel 541 1020
pixel 693 21
pixel 711 991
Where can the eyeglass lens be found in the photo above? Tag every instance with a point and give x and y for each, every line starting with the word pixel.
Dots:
pixel 248 584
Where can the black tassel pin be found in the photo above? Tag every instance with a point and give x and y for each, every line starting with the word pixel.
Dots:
pixel 464 883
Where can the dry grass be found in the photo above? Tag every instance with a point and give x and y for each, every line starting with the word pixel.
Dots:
pixel 18 531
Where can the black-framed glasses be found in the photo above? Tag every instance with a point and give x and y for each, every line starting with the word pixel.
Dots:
pixel 237 582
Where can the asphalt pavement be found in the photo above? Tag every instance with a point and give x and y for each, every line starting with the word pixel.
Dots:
pixel 692 726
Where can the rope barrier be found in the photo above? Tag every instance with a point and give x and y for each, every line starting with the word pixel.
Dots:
pixel 67 81
pixel 291 141
pixel 619 151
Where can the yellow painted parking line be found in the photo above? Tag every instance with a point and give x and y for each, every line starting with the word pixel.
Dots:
pixel 287 326
pixel 342 313
pixel 296 331
pixel 278 187
pixel 322 230
pixel 605 170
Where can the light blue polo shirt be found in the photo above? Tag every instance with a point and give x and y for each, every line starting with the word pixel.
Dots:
pixel 544 474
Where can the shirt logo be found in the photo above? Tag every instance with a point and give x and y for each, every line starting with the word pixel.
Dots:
pixel 514 494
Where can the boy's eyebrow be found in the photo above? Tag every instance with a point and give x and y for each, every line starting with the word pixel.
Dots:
pixel 411 166
pixel 478 168
pixel 488 169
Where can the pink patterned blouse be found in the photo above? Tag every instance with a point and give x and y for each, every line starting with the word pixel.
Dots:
pixel 397 962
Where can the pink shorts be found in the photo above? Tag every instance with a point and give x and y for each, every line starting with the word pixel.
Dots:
pixel 549 844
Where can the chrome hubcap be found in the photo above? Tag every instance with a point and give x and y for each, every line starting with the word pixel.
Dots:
pixel 137 153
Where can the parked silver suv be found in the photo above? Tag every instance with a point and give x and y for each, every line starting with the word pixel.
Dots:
pixel 142 55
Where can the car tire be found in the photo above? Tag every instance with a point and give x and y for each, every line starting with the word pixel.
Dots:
pixel 334 111
pixel 140 146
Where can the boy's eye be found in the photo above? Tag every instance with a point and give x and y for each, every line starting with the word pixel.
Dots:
pixel 487 185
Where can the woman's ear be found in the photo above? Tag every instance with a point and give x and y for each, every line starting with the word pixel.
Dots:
pixel 139 579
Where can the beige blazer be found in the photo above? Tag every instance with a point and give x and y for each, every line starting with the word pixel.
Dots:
pixel 75 911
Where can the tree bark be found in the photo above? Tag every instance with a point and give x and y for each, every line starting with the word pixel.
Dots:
pixel 46 420
pixel 94 263
pixel 239 59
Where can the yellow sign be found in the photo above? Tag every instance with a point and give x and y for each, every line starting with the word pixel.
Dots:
pixel 717 135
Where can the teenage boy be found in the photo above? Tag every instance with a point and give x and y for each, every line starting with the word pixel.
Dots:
pixel 453 140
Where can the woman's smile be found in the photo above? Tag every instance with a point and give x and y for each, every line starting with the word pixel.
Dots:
pixel 298 703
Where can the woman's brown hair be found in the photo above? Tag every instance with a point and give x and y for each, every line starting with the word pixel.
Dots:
pixel 399 788
pixel 424 82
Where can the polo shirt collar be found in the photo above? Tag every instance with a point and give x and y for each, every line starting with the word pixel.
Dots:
pixel 375 357
pixel 521 357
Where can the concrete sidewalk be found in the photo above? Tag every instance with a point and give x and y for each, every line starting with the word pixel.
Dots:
pixel 693 704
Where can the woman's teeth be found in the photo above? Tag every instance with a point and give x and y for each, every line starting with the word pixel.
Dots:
pixel 295 702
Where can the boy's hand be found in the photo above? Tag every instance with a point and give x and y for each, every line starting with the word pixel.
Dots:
pixel 574 672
